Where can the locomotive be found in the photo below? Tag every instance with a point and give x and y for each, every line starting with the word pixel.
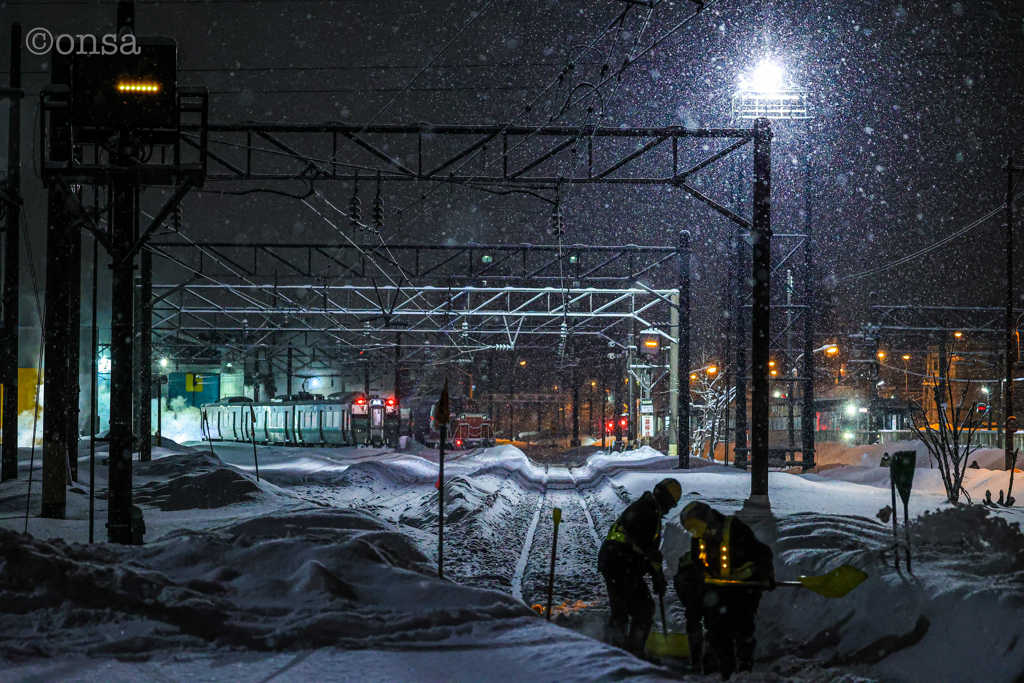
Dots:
pixel 305 419
pixel 468 426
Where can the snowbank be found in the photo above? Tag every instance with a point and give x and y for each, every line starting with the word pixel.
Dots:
pixel 871 455
pixel 341 580
pixel 956 618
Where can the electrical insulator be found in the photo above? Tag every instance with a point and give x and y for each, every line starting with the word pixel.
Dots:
pixel 378 212
pixel 177 217
pixel 557 224
pixel 353 209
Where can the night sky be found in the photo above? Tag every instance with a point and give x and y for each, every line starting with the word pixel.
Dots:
pixel 916 105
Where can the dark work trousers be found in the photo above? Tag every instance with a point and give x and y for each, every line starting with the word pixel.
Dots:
pixel 691 595
pixel 629 598
pixel 729 618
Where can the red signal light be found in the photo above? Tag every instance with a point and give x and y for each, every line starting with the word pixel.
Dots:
pixel 610 426
pixel 391 401
pixel 623 422
pixel 458 443
pixel 360 401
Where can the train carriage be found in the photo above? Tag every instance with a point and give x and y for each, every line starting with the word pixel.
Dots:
pixel 304 419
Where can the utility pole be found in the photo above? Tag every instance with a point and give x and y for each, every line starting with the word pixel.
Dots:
pixel 683 375
pixel 791 379
pixel 741 455
pixel 1011 419
pixel 121 346
pixel 11 285
pixel 56 455
pixel 288 375
pixel 74 389
pixel 675 373
pixel 398 378
pixel 808 419
pixel 761 233
pixel 575 407
pixel 146 358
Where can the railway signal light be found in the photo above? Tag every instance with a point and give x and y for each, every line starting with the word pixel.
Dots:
pixel 132 90
pixel 650 343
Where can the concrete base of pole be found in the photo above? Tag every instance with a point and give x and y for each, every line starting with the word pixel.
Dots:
pixel 757 505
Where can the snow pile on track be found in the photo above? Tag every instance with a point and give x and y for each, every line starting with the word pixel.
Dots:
pixel 201 491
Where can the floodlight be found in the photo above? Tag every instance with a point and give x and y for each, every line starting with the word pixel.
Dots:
pixel 163 362
pixel 767 77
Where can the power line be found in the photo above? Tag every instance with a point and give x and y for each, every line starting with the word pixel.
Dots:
pixel 932 247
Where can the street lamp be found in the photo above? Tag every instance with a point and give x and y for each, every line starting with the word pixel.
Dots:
pixel 906 375
pixel 764 95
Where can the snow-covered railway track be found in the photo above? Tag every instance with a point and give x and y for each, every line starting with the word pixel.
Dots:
pixel 576 577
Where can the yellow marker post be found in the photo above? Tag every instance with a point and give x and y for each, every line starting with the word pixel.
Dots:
pixel 556 515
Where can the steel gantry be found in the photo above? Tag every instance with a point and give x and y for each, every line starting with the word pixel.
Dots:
pixel 538 160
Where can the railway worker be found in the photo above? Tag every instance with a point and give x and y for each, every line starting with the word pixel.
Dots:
pixel 723 549
pixel 629 553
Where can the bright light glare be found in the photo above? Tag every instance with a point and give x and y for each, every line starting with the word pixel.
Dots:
pixel 766 78
pixel 851 409
pixel 163 362
pixel 832 350
pixel 103 365
pixel 848 436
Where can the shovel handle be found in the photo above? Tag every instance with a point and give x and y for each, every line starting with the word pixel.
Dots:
pixel 752 584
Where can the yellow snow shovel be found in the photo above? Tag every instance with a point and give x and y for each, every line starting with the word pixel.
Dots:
pixel 667 644
pixel 835 584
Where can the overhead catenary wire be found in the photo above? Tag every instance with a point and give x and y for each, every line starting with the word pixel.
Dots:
pixel 931 247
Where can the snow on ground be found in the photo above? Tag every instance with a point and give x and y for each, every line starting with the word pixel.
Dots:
pixel 324 569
